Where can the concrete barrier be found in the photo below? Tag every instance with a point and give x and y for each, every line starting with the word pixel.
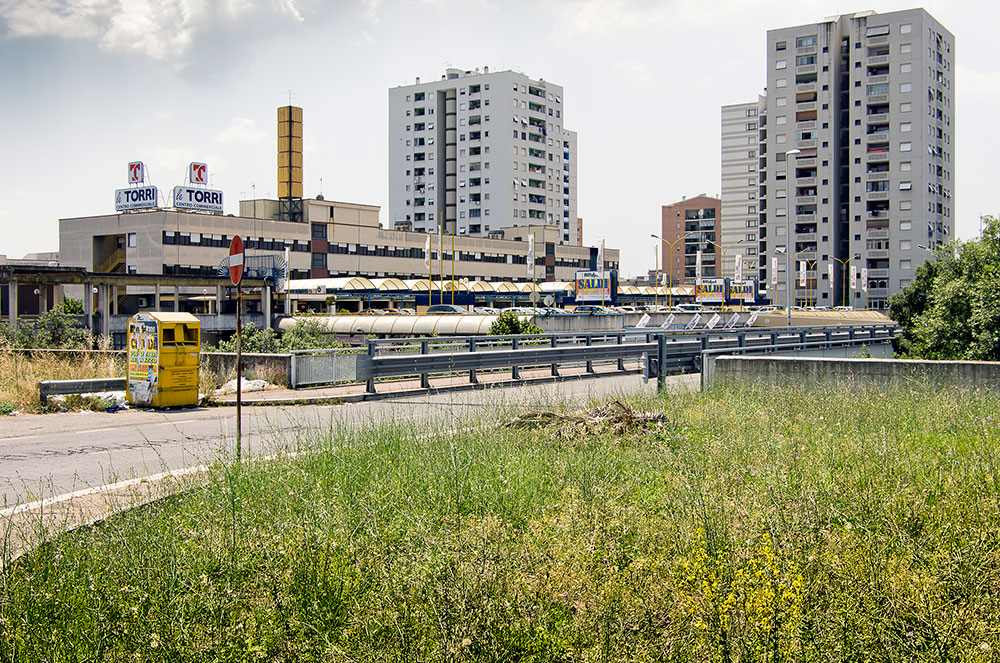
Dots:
pixel 276 368
pixel 822 372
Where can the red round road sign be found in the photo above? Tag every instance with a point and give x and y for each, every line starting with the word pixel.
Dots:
pixel 236 260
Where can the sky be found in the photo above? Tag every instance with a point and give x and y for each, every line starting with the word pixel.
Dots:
pixel 87 86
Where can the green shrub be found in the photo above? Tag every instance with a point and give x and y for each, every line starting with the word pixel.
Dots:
pixel 508 324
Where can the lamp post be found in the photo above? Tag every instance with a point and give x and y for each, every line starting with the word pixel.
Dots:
pixel 670 269
pixel 789 173
pixel 843 265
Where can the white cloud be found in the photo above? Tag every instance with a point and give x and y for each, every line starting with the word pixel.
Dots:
pixel 159 29
pixel 242 131
pixel 370 10
pixel 635 70
pixel 363 39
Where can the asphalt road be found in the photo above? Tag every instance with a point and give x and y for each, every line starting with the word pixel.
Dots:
pixel 44 456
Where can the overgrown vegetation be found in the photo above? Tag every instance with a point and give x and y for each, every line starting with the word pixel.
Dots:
pixel 56 328
pixel 509 323
pixel 21 371
pixel 735 525
pixel 951 310
pixel 304 335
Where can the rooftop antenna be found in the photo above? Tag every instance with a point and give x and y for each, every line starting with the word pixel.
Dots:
pixel 289 97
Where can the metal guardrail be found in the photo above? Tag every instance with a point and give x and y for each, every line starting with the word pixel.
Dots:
pixel 48 388
pixel 675 351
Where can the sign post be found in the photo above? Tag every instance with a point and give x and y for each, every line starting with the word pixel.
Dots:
pixel 236 276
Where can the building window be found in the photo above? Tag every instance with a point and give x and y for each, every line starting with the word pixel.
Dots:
pixel 905 107
pixel 905 48
pixel 905 166
pixel 905 28
pixel 781 82
pixel 905 127
pixel 906 147
pixel 780 46
pixel 905 68
pixel 809 40
pixel 781 64
pixel 906 87
pixel 905 264
pixel 905 205
pixel 781 101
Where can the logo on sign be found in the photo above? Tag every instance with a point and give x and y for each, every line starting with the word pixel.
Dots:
pixel 198 173
pixel 136 172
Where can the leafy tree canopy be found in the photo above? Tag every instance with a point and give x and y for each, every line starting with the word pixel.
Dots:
pixel 951 309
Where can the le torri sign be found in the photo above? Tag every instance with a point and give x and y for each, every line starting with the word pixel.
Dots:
pixel 140 197
pixel 197 198
pixel 194 195
pixel 136 197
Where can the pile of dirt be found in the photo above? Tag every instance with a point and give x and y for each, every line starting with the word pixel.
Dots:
pixel 613 418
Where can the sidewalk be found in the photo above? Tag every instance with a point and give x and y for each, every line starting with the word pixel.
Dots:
pixel 355 392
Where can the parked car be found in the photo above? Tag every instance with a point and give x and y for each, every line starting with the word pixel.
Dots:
pixel 843 308
pixel 592 309
pixel 654 308
pixel 407 311
pixel 439 309
pixel 689 308
pixel 486 310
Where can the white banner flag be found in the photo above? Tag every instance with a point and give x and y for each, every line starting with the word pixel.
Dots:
pixel 669 321
pixel 864 279
pixel 427 253
pixel 643 321
pixel 802 273
pixel 854 277
pixel 714 320
pixel 697 268
pixel 774 272
pixel 829 275
pixel 600 257
pixel 531 255
pixel 739 268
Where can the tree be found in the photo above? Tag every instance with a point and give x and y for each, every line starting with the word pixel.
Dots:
pixel 951 310
pixel 508 323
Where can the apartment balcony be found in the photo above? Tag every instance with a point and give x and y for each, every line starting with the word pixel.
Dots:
pixel 878 157
pixel 878 138
pixel 878 273
pixel 805 255
pixel 805 237
pixel 877 234
pixel 805 87
pixel 805 50
pixel 882 78
pixel 877 99
pixel 875 41
pixel 805 181
pixel 806 144
pixel 877 59
pixel 878 292
pixel 805 163
pixel 806 218
pixel 805 106
pixel 805 69
pixel 877 177
pixel 877 118
pixel 878 195
pixel 805 124
pixel 878 253
pixel 805 200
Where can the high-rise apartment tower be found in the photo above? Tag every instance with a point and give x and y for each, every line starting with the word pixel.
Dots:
pixel 479 151
pixel 859 113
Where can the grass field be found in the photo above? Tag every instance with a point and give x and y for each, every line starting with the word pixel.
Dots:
pixel 750 525
pixel 21 371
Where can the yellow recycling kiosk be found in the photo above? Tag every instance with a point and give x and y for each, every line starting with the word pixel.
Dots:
pixel 163 354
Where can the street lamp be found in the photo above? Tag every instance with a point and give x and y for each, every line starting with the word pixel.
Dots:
pixel 671 254
pixel 843 265
pixel 789 173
